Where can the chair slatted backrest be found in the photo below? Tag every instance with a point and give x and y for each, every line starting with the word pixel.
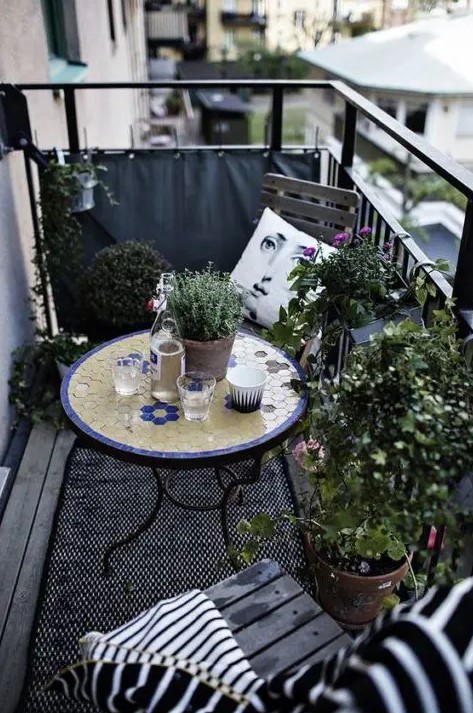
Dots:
pixel 319 210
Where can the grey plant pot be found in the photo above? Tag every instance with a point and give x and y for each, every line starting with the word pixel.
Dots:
pixel 83 198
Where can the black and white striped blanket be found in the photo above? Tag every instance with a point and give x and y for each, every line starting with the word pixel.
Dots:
pixel 180 657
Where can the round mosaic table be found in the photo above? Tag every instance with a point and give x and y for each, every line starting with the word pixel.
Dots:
pixel 148 432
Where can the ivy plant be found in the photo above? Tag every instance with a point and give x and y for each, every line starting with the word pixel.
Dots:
pixel 59 248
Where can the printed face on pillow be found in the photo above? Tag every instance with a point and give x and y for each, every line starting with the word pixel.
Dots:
pixel 280 256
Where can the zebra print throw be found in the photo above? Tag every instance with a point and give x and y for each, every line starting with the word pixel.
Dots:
pixel 187 627
pixel 418 658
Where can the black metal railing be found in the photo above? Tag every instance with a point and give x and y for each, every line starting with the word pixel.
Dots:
pixel 340 170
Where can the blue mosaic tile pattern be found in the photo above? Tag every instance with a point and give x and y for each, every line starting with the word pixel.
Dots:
pixel 160 413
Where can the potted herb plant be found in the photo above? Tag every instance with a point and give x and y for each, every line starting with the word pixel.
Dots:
pixel 113 289
pixel 208 310
pixel 394 440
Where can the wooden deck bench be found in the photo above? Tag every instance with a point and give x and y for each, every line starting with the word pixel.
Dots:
pixel 275 622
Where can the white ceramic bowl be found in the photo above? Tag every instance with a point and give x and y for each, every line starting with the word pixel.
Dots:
pixel 246 387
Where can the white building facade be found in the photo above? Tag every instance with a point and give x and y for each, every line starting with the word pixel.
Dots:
pixel 419 73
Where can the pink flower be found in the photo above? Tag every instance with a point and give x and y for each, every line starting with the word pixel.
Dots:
pixel 314 446
pixel 309 454
pixel 299 452
pixel 365 231
pixel 387 247
pixel 309 252
pixel 433 538
pixel 340 238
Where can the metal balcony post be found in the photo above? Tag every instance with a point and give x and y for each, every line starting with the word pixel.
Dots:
pixel 276 119
pixel 71 119
pixel 463 283
pixel 348 147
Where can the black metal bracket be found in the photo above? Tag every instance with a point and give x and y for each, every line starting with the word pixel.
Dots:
pixel 15 129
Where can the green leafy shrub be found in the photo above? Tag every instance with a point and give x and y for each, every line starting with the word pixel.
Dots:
pixel 206 305
pixel 116 287
pixel 395 439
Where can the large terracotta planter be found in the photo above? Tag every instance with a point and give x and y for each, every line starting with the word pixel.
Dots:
pixel 211 357
pixel 351 599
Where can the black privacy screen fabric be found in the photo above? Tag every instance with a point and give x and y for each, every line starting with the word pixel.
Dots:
pixel 194 207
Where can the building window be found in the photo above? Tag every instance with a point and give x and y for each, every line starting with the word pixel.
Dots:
pixel 256 37
pixel 62 37
pixel 416 115
pixel 465 119
pixel 111 20
pixel 229 5
pixel 55 30
pixel 229 40
pixel 299 19
pixel 389 106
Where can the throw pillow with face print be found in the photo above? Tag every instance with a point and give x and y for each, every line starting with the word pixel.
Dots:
pixel 263 269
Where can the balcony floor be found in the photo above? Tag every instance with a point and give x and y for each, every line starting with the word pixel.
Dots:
pixel 24 537
pixel 25 532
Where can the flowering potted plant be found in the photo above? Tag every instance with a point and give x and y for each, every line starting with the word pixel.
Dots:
pixel 208 309
pixel 359 284
pixel 394 440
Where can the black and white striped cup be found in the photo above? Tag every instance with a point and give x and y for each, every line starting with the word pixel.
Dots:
pixel 246 387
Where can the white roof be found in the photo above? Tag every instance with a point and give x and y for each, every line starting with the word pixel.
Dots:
pixel 432 56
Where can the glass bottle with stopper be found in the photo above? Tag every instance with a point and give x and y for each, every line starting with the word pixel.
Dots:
pixel 167 355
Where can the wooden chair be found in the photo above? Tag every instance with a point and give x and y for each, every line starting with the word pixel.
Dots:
pixel 277 625
pixel 319 210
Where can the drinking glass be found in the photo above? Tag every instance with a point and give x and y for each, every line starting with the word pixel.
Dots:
pixel 126 372
pixel 196 390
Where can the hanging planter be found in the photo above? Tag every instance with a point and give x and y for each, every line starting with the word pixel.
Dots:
pixel 82 194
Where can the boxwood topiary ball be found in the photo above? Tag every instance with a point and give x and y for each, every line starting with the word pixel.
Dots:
pixel 117 285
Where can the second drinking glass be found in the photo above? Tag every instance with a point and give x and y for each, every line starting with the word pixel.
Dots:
pixel 196 390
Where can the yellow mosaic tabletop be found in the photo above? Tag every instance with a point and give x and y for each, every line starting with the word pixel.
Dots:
pixel 140 427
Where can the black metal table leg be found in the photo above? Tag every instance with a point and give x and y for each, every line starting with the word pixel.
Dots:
pixel 238 494
pixel 141 529
pixel 237 484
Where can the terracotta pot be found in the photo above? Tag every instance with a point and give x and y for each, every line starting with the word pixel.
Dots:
pixel 211 357
pixel 352 600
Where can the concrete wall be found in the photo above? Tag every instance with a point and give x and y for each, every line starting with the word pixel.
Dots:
pixel 108 115
pixel 24 58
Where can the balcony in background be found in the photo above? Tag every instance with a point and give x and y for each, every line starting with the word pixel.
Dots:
pixel 243 19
